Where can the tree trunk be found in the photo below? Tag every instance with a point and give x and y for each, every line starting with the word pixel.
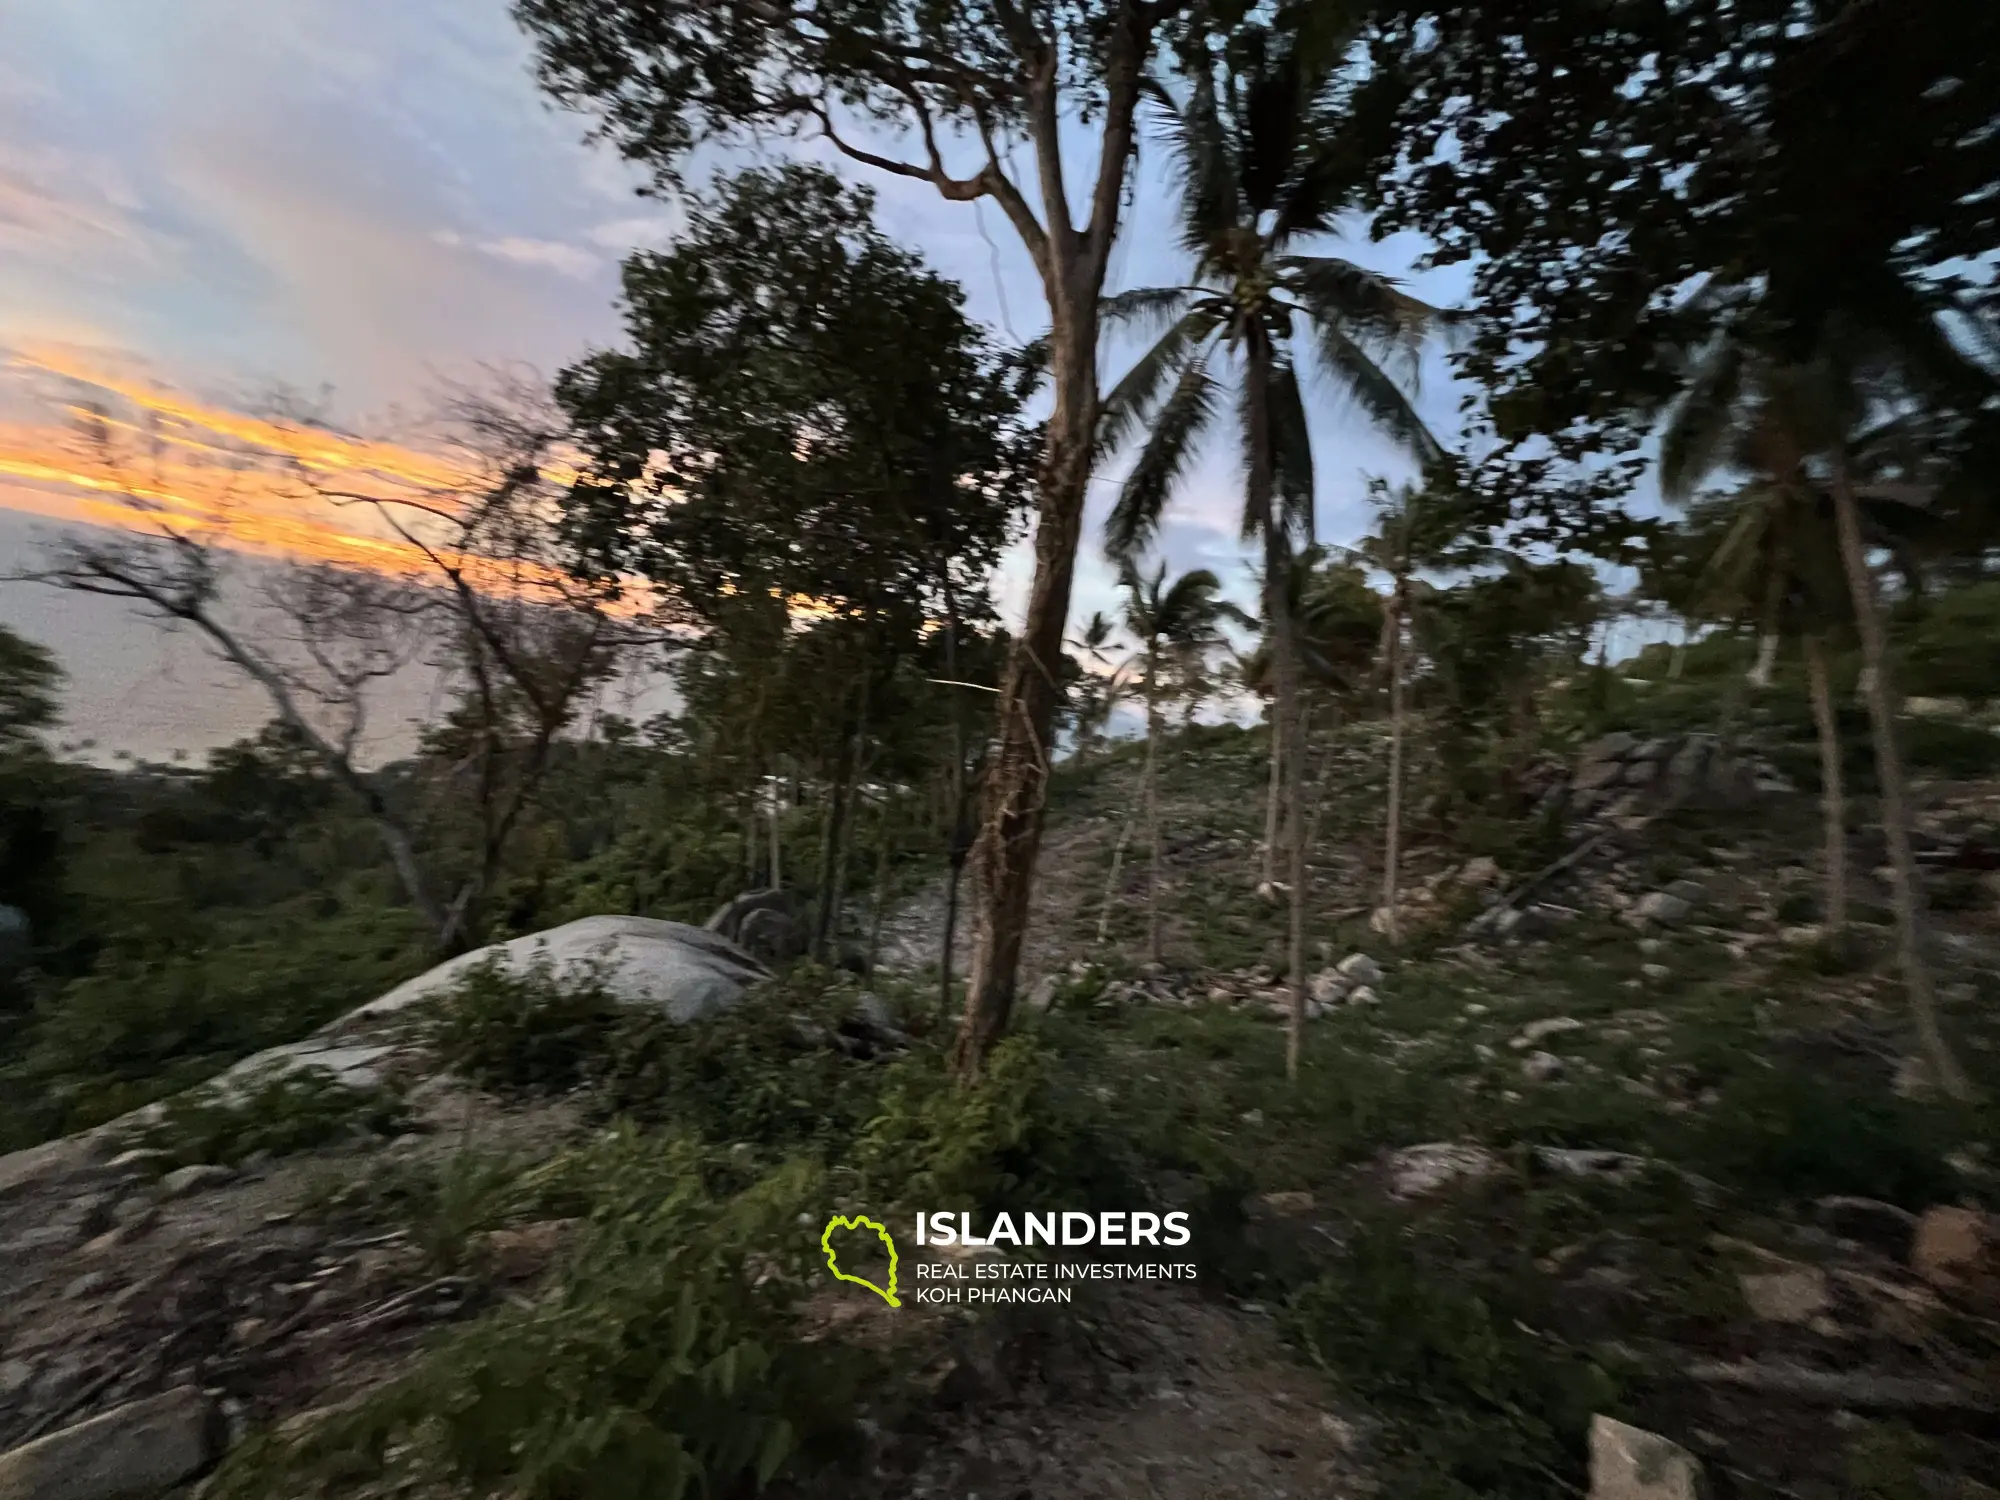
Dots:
pixel 1295 849
pixel 881 892
pixel 1832 794
pixel 959 834
pixel 1273 802
pixel 858 763
pixel 1111 884
pixel 847 767
pixel 1263 516
pixel 775 800
pixel 1011 824
pixel 1767 660
pixel 1895 795
pixel 1391 883
pixel 1149 802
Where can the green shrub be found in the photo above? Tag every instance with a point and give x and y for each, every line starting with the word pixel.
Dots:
pixel 1951 748
pixel 665 1364
pixel 1474 1404
pixel 1787 1134
pixel 771 1069
pixel 513 1030
pixel 282 1114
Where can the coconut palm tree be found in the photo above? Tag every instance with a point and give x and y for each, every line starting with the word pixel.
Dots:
pixel 1771 549
pixel 1829 419
pixel 1168 620
pixel 1260 180
pixel 1101 689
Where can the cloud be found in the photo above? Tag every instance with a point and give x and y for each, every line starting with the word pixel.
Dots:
pixel 546 255
pixel 645 231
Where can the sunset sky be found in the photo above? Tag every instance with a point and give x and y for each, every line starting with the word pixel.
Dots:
pixel 206 203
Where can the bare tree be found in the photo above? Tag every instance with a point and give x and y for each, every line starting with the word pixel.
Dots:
pixel 474 581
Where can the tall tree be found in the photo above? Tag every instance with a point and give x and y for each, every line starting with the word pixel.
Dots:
pixel 491 593
pixel 805 416
pixel 1414 529
pixel 963 82
pixel 1257 145
pixel 1811 425
pixel 1167 620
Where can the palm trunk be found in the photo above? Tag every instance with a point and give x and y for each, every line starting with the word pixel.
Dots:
pixel 1011 825
pixel 1895 795
pixel 1273 801
pixel 1149 793
pixel 1285 674
pixel 1832 794
pixel 1391 881
pixel 1295 850
pixel 1111 884
pixel 776 792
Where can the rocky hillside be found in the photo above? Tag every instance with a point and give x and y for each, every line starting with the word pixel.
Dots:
pixel 1611 1172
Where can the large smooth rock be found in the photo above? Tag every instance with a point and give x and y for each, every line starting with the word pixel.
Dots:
pixel 138 1449
pixel 1630 1463
pixel 681 970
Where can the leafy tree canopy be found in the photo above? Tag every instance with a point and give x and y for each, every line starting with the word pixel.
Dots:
pixel 805 411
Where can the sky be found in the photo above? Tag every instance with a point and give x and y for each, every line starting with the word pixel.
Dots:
pixel 206 204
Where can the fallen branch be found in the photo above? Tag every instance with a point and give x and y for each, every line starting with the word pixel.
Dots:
pixel 1534 883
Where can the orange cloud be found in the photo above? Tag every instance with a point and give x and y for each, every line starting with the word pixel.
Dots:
pixel 248 483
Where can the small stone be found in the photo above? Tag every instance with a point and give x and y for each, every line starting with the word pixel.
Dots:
pixel 1043 993
pixel 1662 907
pixel 1650 945
pixel 184 1181
pixel 1364 996
pixel 1656 972
pixel 1359 968
pixel 1799 1295
pixel 1253 1117
pixel 1619 1166
pixel 1535 1031
pixel 1952 1245
pixel 1327 986
pixel 16 1375
pixel 1541 1067
pixel 1479 873
pixel 1297 1202
pixel 1630 1463
pixel 1476 1009
pixel 89 1284
pixel 1417 1170
pixel 1483 1052
pixel 519 1254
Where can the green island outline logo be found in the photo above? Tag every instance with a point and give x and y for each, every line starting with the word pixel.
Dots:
pixel 839 1221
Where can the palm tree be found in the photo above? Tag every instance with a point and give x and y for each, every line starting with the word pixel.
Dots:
pixel 1259 178
pixel 1168 621
pixel 1412 531
pixel 1772 548
pixel 1815 420
pixel 1097 696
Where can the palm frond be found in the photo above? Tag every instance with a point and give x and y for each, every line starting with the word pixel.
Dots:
pixel 1128 403
pixel 1705 420
pixel 1291 457
pixel 1366 304
pixel 1350 366
pixel 1170 447
pixel 1210 202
